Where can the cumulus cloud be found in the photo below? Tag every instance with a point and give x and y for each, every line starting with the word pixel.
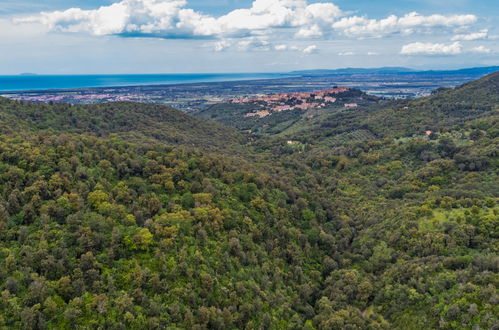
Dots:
pixel 266 25
pixel 362 27
pixel 422 48
pixel 171 18
pixel 482 34
pixel 308 32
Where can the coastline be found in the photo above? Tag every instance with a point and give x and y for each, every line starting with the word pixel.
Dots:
pixel 60 83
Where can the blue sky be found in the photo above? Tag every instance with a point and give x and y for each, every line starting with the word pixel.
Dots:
pixel 177 36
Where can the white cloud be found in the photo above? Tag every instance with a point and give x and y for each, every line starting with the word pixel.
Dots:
pixel 481 50
pixel 308 32
pixel 482 34
pixel 267 25
pixel 173 19
pixel 362 27
pixel 310 49
pixel 170 18
pixel 422 48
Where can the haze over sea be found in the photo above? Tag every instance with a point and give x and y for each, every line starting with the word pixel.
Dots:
pixel 43 82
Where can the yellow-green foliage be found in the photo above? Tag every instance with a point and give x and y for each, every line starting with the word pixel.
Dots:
pixel 353 227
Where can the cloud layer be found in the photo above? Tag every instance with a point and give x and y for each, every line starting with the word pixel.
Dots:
pixel 171 19
pixel 268 25
pixel 356 26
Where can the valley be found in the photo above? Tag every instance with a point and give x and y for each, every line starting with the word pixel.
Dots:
pixel 382 215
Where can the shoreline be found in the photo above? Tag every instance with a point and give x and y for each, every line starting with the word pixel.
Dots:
pixel 221 79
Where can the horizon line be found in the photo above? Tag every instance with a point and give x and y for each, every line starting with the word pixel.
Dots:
pixel 28 74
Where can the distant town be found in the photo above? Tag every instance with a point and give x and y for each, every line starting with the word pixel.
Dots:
pixel 195 97
pixel 289 101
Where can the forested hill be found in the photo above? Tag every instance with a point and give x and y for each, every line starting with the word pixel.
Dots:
pixel 136 122
pixel 445 108
pixel 111 219
pixel 485 87
pixel 401 118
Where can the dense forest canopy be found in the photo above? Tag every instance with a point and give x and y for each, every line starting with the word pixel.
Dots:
pixel 137 216
pixel 141 123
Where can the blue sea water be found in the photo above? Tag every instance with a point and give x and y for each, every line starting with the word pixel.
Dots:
pixel 47 82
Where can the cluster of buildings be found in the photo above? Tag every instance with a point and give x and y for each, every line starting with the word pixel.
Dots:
pixel 290 101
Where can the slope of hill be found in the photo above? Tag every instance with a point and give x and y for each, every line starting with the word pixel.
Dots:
pixel 399 118
pixel 243 116
pixel 374 230
pixel 129 120
pixel 446 107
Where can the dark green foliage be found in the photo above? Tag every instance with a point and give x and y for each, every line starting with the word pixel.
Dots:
pixel 445 107
pixel 145 123
pixel 99 231
pixel 111 223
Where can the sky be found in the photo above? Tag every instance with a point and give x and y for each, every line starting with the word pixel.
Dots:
pixel 218 36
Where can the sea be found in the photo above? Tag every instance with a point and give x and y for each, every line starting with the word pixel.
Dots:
pixel 48 82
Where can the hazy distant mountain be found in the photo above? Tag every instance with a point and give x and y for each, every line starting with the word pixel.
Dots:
pixel 395 70
pixel 474 71
pixel 356 71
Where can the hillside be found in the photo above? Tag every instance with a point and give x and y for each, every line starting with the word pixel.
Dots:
pixel 446 107
pixel 274 114
pixel 132 121
pixel 400 118
pixel 372 118
pixel 135 216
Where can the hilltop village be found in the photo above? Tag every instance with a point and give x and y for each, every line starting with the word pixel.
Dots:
pixel 272 103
